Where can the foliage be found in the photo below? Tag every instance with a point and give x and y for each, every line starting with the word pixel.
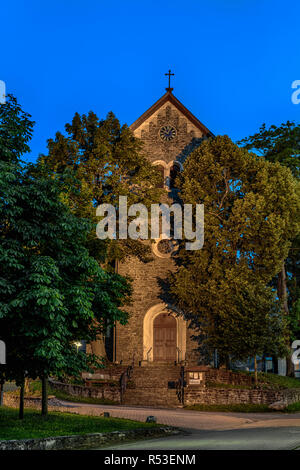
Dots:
pixel 249 225
pixel 266 380
pixel 276 381
pixel 282 144
pixel 107 162
pixel 277 144
pixel 293 408
pixel 247 322
pixel 16 128
pixel 52 292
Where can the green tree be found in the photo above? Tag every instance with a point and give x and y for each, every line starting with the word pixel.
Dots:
pixel 282 144
pixel 277 144
pixel 52 291
pixel 247 321
pixel 107 162
pixel 249 224
pixel 15 132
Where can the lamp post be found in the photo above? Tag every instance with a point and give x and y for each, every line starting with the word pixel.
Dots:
pixel 78 345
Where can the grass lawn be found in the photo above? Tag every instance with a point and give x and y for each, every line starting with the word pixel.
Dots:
pixel 277 381
pixel 265 381
pixel 293 408
pixel 58 424
pixel 238 408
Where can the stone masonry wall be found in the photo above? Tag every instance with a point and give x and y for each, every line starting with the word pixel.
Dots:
pixel 187 138
pixel 210 396
pixel 228 377
pixel 148 277
pixel 147 292
pixel 105 391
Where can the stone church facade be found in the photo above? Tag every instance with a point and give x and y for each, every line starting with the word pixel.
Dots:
pixel 155 332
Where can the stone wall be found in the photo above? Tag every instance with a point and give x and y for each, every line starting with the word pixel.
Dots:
pixel 103 391
pixel 210 396
pixel 228 377
pixel 87 441
pixel 148 291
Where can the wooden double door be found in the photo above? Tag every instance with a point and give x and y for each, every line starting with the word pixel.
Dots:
pixel 164 338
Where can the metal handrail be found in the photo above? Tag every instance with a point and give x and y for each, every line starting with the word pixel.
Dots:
pixel 125 377
pixel 180 386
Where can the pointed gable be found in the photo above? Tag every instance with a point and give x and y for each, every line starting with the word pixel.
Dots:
pixel 169 131
pixel 169 98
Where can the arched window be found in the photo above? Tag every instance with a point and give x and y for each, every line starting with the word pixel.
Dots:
pixel 161 176
pixel 174 171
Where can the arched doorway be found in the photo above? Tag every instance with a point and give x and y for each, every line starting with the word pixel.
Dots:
pixel 148 331
pixel 164 338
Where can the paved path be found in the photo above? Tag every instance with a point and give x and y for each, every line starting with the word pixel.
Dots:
pixel 282 438
pixel 207 430
pixel 171 417
pixel 204 430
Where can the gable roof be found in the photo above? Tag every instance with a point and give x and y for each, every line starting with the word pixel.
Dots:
pixel 172 99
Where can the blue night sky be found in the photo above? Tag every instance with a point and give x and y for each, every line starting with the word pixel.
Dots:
pixel 234 60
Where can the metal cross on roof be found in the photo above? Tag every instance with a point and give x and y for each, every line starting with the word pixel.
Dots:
pixel 169 75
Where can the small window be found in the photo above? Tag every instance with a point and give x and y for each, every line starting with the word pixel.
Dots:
pixel 174 171
pixel 161 176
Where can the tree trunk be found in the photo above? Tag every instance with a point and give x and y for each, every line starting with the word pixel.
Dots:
pixel 255 371
pixel 283 296
pixel 116 267
pixel 21 406
pixel 44 396
pixel 26 386
pixel 282 289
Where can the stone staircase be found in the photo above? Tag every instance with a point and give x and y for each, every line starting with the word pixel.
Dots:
pixel 148 386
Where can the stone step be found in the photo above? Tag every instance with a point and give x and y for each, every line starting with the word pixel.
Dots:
pixel 153 380
pixel 154 397
pixel 151 384
pixel 148 386
pixel 166 371
pixel 145 379
pixel 156 371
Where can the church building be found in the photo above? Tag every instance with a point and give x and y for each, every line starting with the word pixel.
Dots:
pixel 155 332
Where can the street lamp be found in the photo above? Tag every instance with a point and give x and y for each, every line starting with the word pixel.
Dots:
pixel 78 345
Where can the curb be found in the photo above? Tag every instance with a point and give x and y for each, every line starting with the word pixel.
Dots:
pixel 86 440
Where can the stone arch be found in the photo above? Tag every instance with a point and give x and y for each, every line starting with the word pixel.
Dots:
pixel 149 318
pixel 160 162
